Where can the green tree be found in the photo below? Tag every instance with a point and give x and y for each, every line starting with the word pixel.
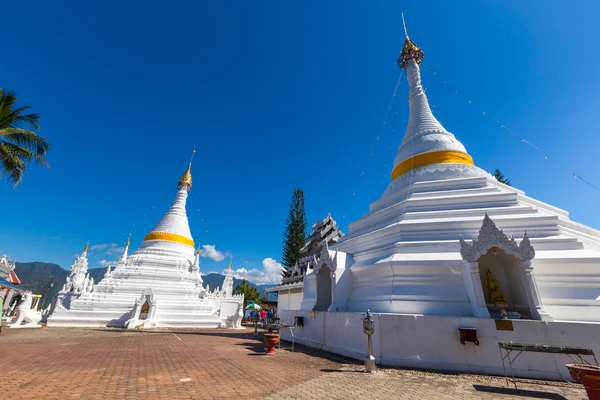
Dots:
pixel 295 232
pixel 18 146
pixel 250 293
pixel 500 177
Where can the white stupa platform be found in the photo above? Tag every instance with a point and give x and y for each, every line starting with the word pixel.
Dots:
pixel 159 285
pixel 448 246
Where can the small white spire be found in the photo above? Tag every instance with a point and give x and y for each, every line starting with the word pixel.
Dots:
pixel 107 273
pixel 85 249
pixel 123 258
pixel 197 259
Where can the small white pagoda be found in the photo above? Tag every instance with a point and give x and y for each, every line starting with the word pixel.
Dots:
pixel 159 285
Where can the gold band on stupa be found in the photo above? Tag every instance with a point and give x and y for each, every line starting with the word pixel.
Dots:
pixel 434 157
pixel 170 237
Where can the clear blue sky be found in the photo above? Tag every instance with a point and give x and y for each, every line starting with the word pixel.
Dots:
pixel 278 95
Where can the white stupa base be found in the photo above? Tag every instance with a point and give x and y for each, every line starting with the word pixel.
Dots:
pixel 181 312
pixel 433 342
pixel 153 279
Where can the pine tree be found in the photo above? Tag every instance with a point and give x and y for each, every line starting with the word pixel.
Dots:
pixel 295 232
pixel 500 177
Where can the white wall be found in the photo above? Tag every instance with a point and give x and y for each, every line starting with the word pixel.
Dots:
pixel 289 300
pixel 434 342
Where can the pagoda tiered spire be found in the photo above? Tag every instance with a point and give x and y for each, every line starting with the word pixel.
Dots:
pixel 426 141
pixel 174 226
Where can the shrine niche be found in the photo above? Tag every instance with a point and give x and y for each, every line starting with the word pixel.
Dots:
pixel 501 274
pixel 325 278
pixel 324 295
pixel 502 284
pixel 143 312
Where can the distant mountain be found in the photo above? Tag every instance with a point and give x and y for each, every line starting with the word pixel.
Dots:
pixel 35 277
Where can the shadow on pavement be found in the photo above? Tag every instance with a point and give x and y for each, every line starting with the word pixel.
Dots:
pixel 238 334
pixel 258 344
pixel 519 392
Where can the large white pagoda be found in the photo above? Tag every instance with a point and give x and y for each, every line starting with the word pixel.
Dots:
pixel 447 248
pixel 159 285
pixel 427 244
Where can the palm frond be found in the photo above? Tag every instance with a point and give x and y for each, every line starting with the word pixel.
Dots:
pixel 7 99
pixel 11 164
pixel 18 146
pixel 28 119
pixel 25 138
pixel 14 119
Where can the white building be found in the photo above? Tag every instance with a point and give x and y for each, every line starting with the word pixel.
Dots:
pixel 289 291
pixel 159 285
pixel 448 246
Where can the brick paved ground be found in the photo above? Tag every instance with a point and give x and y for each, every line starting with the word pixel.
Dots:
pixel 61 363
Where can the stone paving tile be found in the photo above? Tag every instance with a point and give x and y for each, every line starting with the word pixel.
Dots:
pixel 349 382
pixel 79 363
pixel 59 363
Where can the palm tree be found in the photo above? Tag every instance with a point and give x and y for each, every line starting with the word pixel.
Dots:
pixel 18 146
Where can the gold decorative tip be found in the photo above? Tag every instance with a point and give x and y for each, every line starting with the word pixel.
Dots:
pixel 86 247
pixel 230 264
pixel 410 50
pixel 198 251
pixel 186 179
pixel 128 242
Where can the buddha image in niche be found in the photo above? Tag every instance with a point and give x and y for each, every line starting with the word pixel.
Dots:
pixel 492 284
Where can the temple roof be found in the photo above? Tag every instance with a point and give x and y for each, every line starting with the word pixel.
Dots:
pixel 323 232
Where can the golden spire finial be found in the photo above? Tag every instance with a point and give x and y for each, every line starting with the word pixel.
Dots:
pixel 186 179
pixel 410 50
pixel 128 242
pixel 230 264
pixel 198 251
pixel 87 245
